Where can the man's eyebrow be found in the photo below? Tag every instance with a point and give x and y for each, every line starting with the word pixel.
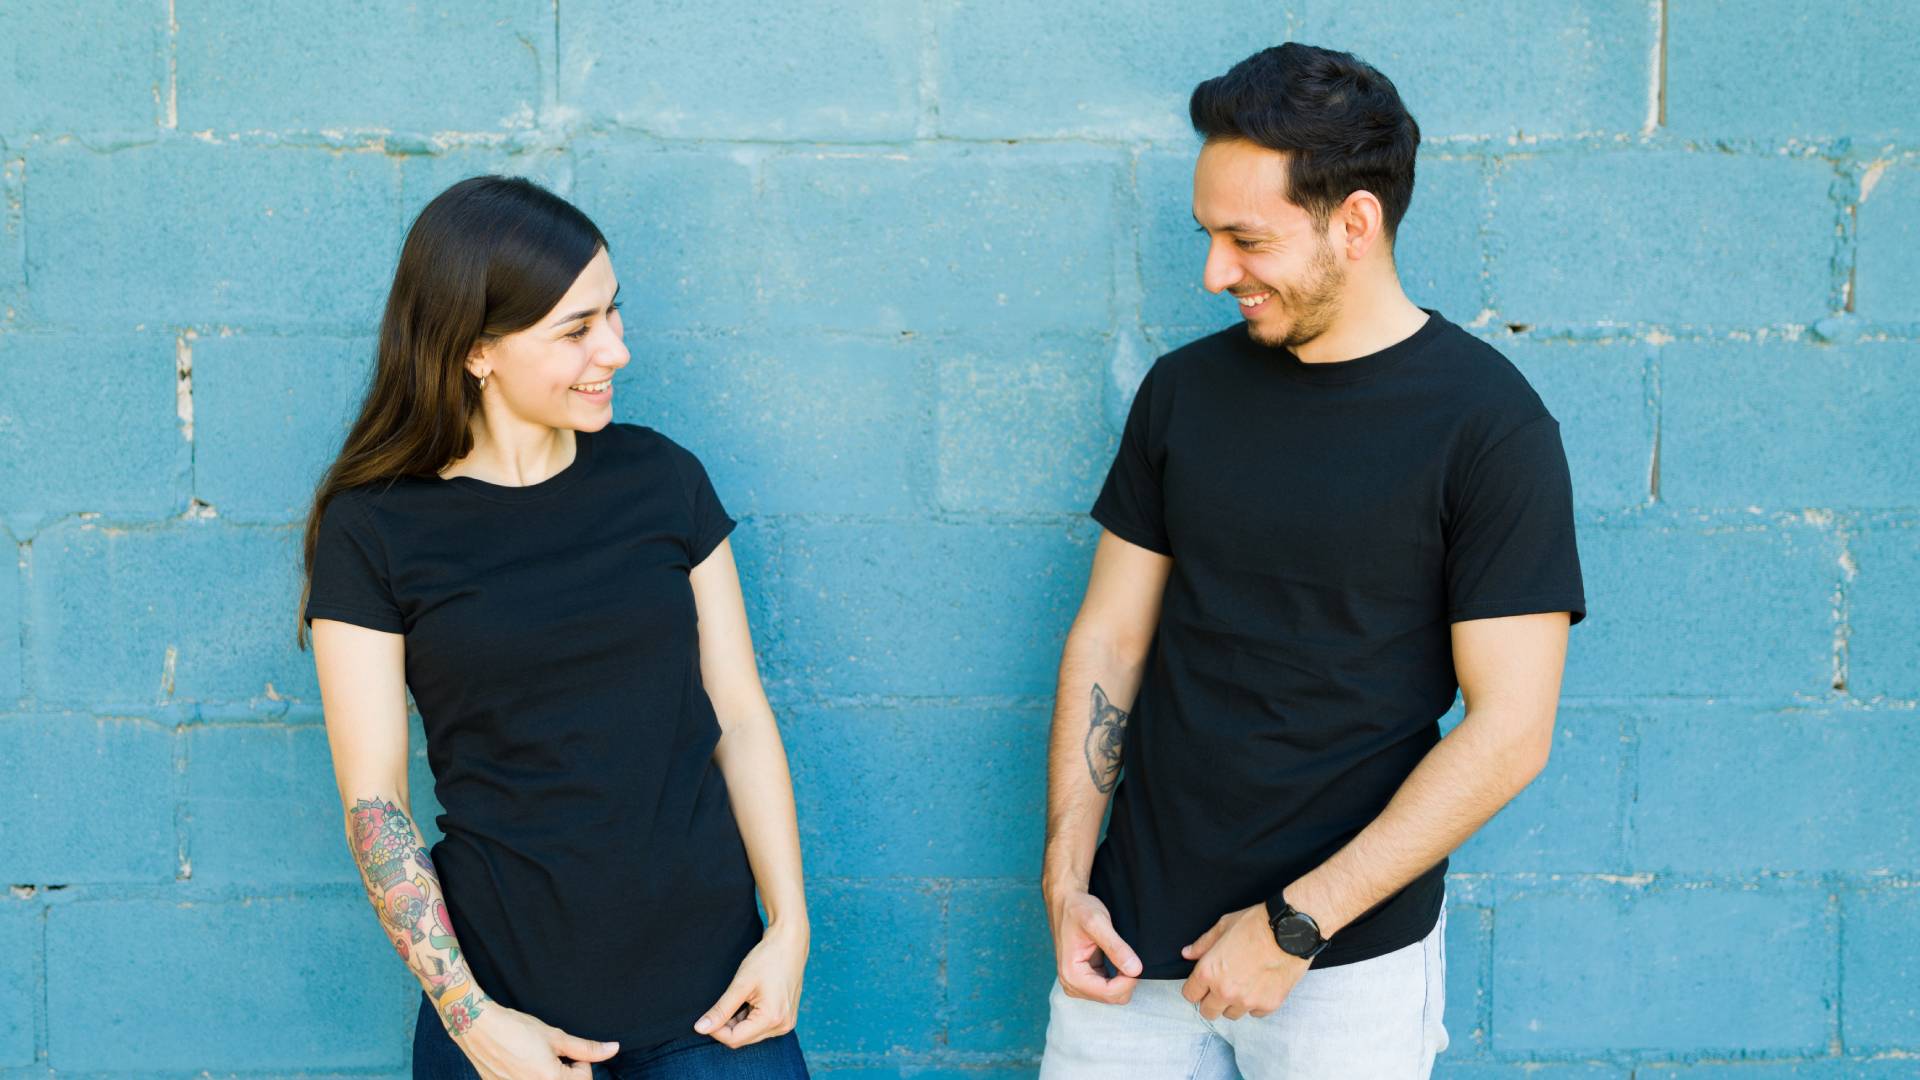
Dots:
pixel 584 313
pixel 1235 227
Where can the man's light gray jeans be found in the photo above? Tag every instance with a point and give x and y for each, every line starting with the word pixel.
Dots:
pixel 1375 1019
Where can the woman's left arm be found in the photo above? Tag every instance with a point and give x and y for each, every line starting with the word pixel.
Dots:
pixel 765 993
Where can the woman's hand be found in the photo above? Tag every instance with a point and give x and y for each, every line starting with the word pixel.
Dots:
pixel 764 998
pixel 506 1044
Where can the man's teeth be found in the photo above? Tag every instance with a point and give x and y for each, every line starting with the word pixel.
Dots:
pixel 1249 301
pixel 593 388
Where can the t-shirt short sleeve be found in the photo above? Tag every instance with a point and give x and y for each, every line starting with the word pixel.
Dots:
pixel 1510 544
pixel 1129 505
pixel 350 570
pixel 711 523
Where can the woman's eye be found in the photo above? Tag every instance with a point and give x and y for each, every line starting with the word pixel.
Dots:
pixel 580 333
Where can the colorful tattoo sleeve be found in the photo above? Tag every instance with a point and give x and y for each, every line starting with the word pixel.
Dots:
pixel 405 892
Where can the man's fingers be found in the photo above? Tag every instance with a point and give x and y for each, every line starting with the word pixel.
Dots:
pixel 1085 982
pixel 723 1010
pixel 1101 930
pixel 578 1049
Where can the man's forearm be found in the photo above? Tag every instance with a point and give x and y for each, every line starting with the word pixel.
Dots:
pixel 1083 762
pixel 1462 782
pixel 405 892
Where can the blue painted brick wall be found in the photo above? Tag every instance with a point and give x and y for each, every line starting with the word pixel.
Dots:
pixel 894 271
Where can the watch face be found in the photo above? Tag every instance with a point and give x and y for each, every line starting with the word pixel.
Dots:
pixel 1296 935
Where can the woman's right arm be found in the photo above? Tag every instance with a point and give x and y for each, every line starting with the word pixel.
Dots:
pixel 363 694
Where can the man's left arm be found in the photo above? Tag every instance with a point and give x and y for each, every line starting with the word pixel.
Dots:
pixel 1509 673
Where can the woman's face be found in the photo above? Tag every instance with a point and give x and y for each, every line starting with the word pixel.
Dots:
pixel 559 371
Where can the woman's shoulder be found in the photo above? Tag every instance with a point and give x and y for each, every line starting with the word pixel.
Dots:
pixel 641 441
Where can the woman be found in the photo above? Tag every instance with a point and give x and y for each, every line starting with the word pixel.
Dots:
pixel 557 592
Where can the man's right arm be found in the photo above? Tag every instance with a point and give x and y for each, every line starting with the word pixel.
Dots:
pixel 1100 672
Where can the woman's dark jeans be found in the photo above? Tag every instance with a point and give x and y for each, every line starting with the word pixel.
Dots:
pixel 694 1057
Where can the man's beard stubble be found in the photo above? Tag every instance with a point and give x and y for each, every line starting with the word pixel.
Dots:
pixel 1313 305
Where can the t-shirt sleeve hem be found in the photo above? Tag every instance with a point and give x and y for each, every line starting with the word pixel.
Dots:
pixel 705 545
pixel 1126 530
pixel 1574 604
pixel 372 620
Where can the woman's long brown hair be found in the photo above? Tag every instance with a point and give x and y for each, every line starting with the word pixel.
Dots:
pixel 487 257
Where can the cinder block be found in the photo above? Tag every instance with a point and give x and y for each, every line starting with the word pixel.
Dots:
pixel 1012 238
pixel 269 415
pixel 262 808
pixel 1777 69
pixel 874 970
pixel 1883 641
pixel 1886 279
pixel 1438 250
pixel 1834 1068
pixel 831 70
pixel 1818 780
pixel 1789 426
pixel 990 620
pixel 1618 969
pixel 89 800
pixel 870 804
pixel 1467 945
pixel 1000 967
pixel 64 74
pixel 1020 425
pixel 194 610
pixel 1658 241
pixel 1600 396
pixel 21 934
pixel 1880 966
pixel 13 233
pixel 1568 819
pixel 293 984
pixel 685 234
pixel 1114 70
pixel 1725 607
pixel 91 424
pixel 788 424
pixel 1446 1067
pixel 266 236
pixel 1582 68
pixel 472 67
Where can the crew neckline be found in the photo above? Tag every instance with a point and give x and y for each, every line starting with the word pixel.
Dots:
pixel 1346 371
pixel 572 471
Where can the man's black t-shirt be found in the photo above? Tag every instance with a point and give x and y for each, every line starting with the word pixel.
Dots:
pixel 593 869
pixel 1327 523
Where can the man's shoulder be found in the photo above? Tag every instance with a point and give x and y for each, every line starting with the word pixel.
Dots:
pixel 1476 376
pixel 1199 357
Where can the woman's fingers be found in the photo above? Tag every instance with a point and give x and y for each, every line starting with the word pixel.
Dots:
pixel 722 1013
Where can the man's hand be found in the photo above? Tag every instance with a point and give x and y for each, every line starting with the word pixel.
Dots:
pixel 1241 970
pixel 506 1044
pixel 763 1000
pixel 1082 931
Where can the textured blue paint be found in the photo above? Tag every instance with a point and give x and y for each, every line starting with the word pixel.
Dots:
pixel 95 425
pixel 264 984
pixel 1789 426
pixel 1778 69
pixel 894 272
pixel 362 65
pixel 1887 269
pixel 1818 780
pixel 1662 237
pixel 1688 986
pixel 1881 966
pixel 90 799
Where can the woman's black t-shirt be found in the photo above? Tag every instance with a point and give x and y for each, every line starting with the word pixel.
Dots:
pixel 1328 523
pixel 593 869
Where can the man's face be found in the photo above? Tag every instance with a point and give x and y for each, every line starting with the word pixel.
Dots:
pixel 1263 249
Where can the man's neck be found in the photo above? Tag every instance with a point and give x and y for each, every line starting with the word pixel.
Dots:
pixel 1367 324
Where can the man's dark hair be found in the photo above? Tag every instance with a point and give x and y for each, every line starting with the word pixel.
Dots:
pixel 1340 121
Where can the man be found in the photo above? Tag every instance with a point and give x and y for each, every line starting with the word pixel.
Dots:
pixel 1319 523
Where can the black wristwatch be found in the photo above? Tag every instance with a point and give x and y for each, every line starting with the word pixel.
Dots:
pixel 1294 930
